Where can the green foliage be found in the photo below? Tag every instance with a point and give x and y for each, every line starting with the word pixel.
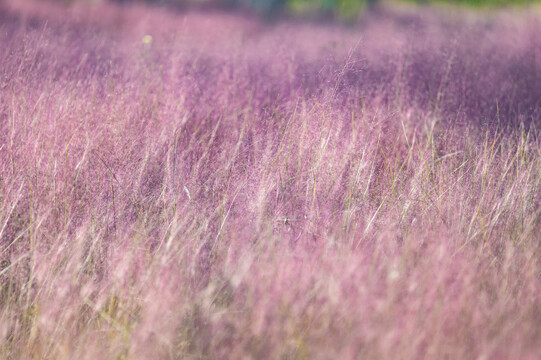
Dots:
pixel 347 10
pixel 478 3
pixel 343 9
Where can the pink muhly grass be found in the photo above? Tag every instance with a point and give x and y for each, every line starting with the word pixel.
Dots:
pixel 233 189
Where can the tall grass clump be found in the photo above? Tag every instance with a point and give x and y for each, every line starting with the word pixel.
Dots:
pixel 206 186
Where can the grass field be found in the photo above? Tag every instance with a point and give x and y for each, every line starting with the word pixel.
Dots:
pixel 189 185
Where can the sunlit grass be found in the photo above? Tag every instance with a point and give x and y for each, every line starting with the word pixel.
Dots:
pixel 227 188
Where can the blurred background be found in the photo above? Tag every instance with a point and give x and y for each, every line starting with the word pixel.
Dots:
pixel 343 10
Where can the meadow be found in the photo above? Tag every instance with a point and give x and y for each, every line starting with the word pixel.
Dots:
pixel 208 185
